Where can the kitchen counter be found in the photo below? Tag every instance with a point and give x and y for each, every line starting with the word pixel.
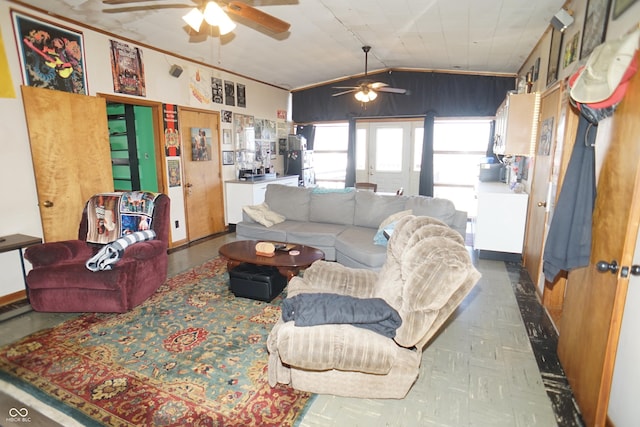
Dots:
pixel 500 222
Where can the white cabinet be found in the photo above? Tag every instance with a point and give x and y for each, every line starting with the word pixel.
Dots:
pixel 517 124
pixel 501 218
pixel 246 193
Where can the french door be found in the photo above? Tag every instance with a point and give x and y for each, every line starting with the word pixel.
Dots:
pixel 384 155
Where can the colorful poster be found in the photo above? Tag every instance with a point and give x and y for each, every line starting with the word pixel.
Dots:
pixel 51 57
pixel 127 69
pixel 173 168
pixel 171 131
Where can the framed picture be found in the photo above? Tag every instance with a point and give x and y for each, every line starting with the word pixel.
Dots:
pixel 229 93
pixel 127 69
pixel 226 136
pixel 227 157
pixel 621 6
pixel 554 56
pixel 200 144
pixel 241 93
pixel 51 56
pixel 595 25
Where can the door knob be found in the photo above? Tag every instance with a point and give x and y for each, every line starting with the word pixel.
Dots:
pixel 188 185
pixel 542 204
pixel 635 270
pixel 604 266
pixel 47 204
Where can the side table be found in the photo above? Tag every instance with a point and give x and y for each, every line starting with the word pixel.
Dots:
pixel 18 242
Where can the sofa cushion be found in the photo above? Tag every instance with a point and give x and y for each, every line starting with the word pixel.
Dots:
pixel 442 209
pixel 371 208
pixel 313 233
pixel 357 244
pixel 332 208
pixel 255 231
pixel 292 202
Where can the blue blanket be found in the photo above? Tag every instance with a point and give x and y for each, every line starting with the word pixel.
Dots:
pixel 325 308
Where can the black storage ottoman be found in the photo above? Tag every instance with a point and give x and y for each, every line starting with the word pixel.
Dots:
pixel 259 282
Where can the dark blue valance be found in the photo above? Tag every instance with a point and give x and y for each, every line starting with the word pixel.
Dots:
pixel 446 94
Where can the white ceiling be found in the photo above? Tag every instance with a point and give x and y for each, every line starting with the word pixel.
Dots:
pixel 326 37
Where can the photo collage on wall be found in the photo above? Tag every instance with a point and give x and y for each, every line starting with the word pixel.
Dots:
pixel 244 139
pixel 265 134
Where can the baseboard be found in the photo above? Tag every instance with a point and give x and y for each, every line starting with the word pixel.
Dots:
pixel 499 256
pixel 14 297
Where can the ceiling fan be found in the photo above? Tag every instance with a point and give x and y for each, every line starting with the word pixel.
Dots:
pixel 209 11
pixel 366 89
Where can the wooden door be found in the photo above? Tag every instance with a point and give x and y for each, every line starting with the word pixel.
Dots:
pixel 202 173
pixel 594 301
pixel 537 218
pixel 69 140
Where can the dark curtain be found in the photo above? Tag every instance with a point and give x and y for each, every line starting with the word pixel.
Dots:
pixel 426 167
pixel 451 95
pixel 350 178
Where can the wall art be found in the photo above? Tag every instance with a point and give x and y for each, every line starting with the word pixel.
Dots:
pixel 554 56
pixel 595 25
pixel 621 7
pixel 200 144
pixel 51 56
pixel 229 93
pixel 127 69
pixel 227 157
pixel 241 94
pixel 217 90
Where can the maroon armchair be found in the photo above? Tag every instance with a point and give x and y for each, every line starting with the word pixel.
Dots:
pixel 61 282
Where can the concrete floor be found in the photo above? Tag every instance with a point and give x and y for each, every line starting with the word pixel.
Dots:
pixel 481 370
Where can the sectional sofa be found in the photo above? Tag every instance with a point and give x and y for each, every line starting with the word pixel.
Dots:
pixel 342 223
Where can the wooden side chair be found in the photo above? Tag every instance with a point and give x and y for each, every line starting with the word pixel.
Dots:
pixel 366 186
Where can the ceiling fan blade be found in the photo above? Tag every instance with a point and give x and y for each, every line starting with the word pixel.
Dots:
pixel 392 90
pixel 345 87
pixel 122 1
pixel 251 13
pixel 377 85
pixel 344 92
pixel 145 7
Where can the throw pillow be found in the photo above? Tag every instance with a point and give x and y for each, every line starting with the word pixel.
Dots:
pixel 388 223
pixel 263 215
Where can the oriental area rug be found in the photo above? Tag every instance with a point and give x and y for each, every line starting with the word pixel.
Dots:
pixel 192 355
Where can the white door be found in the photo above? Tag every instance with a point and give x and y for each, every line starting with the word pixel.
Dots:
pixel 388 162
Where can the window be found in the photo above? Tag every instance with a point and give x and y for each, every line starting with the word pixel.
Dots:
pixel 459 146
pixel 330 154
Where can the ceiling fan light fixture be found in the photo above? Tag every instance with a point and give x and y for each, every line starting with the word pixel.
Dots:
pixel 215 16
pixel 365 95
pixel 226 25
pixel 194 19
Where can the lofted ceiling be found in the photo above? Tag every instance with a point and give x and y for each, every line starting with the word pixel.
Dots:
pixel 326 37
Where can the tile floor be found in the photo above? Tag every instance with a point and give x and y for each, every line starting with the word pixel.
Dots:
pixel 493 364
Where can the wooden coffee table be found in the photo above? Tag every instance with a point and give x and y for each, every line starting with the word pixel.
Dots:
pixel 288 265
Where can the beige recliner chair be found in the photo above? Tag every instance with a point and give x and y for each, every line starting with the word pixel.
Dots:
pixel 427 274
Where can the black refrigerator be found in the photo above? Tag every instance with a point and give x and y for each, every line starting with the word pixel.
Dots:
pixel 300 162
